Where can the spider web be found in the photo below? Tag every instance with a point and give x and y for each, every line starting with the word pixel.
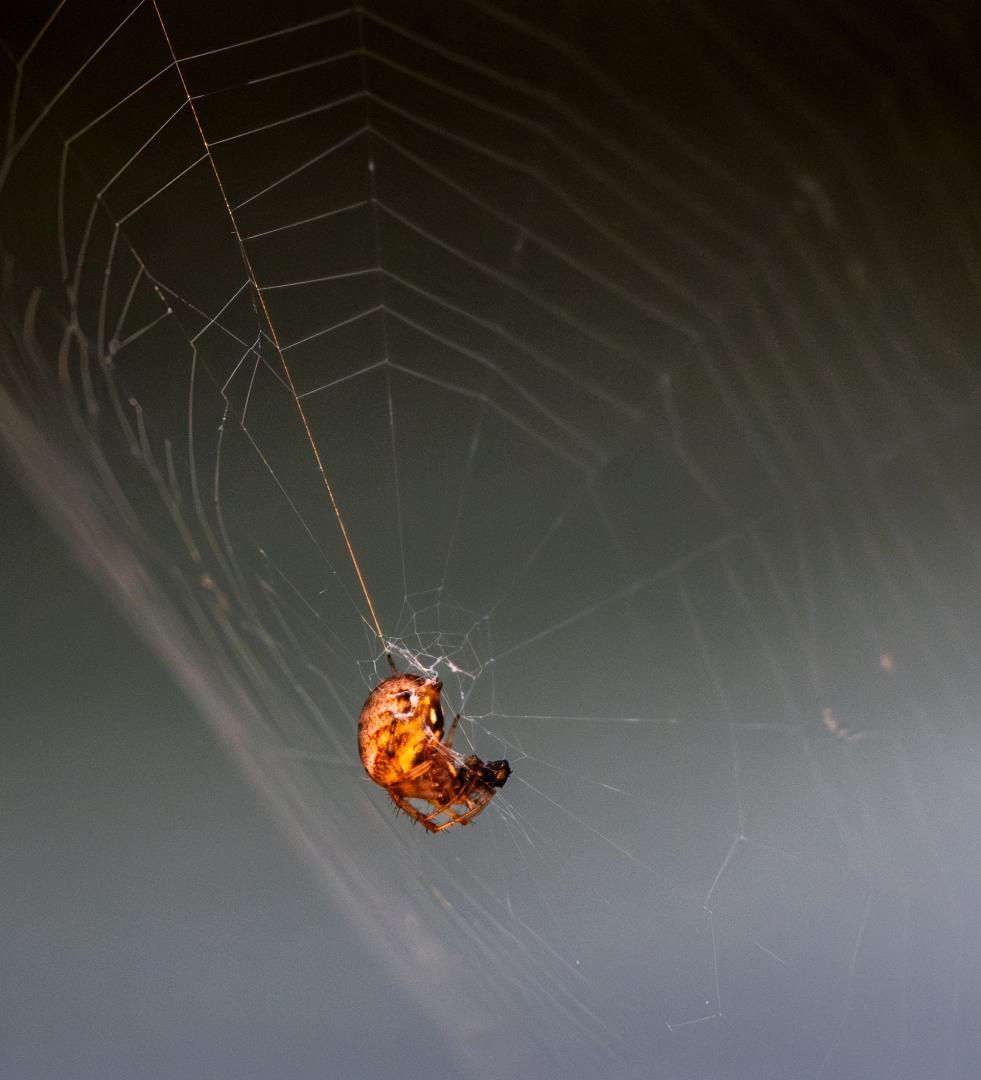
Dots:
pixel 640 350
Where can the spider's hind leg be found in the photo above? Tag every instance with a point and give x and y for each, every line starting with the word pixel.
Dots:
pixel 448 741
pixel 404 805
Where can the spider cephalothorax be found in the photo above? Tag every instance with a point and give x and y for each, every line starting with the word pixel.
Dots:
pixel 404 749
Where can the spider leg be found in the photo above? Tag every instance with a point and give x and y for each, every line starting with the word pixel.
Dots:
pixel 448 741
pixel 475 799
pixel 464 819
pixel 462 796
pixel 418 770
pixel 407 807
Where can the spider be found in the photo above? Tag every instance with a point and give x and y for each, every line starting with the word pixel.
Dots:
pixel 404 750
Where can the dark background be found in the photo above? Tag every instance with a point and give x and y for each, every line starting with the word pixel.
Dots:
pixel 640 346
pixel 155 924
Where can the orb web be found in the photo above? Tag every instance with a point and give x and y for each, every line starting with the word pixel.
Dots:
pixel 639 354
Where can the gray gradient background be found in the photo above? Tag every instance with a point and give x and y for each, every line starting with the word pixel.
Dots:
pixel 661 324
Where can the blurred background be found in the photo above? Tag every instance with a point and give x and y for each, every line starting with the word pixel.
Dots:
pixel 638 343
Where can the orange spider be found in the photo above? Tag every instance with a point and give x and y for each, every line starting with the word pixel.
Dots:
pixel 403 749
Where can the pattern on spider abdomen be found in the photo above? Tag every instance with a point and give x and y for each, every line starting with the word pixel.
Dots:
pixel 398 723
pixel 405 750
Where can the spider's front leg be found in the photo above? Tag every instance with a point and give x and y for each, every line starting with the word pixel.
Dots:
pixel 474 806
pixel 472 794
